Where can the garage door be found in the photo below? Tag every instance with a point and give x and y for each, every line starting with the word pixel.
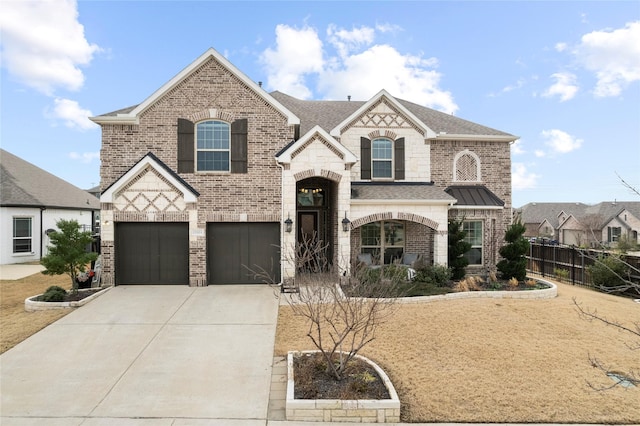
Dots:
pixel 234 248
pixel 152 253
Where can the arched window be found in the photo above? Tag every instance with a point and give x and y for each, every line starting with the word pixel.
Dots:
pixel 466 167
pixel 213 146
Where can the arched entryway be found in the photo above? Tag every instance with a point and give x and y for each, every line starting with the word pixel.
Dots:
pixel 316 214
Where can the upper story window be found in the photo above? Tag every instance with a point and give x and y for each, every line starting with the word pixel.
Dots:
pixel 381 159
pixel 213 146
pixel 22 235
pixel 466 167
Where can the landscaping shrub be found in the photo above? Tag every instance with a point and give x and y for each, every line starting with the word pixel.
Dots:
pixel 609 272
pixel 457 248
pixel 438 275
pixel 54 294
pixel 514 264
pixel 562 274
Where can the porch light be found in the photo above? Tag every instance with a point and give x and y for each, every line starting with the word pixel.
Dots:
pixel 345 223
pixel 288 224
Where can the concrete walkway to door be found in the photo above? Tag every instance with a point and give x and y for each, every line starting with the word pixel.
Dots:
pixel 148 355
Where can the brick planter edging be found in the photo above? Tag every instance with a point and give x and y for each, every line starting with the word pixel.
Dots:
pixel 337 410
pixel 31 305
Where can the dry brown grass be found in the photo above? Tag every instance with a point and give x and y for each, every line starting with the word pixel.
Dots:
pixel 16 324
pixel 501 360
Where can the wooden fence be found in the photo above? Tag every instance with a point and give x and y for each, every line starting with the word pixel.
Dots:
pixel 573 263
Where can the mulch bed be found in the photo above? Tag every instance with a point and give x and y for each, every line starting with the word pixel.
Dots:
pixel 360 381
pixel 81 294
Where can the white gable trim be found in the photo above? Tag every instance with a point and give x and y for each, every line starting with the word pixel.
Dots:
pixel 108 195
pixel 348 157
pixel 132 117
pixel 427 132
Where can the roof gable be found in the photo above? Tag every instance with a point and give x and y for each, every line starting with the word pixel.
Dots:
pixel 23 184
pixel 190 195
pixel 289 152
pixel 382 96
pixel 131 115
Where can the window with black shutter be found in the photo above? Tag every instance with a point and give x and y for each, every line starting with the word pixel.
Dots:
pixel 185 146
pixel 365 158
pixel 239 130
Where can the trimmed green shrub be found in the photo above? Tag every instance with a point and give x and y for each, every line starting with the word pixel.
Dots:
pixel 457 248
pixel 514 263
pixel 54 294
pixel 439 275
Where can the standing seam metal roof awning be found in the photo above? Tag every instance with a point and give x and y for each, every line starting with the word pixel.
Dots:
pixel 474 195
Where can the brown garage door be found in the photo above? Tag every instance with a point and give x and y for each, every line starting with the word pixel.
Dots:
pixel 232 248
pixel 152 253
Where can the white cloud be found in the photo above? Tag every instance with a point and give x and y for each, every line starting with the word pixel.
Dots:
pixel 84 157
pixel 298 52
pixel 565 86
pixel 352 71
pixel 346 41
pixel 516 148
pixel 43 44
pixel 561 47
pixel 614 56
pixel 521 178
pixel 72 114
pixel 561 142
pixel 539 153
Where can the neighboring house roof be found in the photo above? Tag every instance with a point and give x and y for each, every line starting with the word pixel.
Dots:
pixel 398 191
pixel 539 212
pixel 474 195
pixel 329 114
pixel 131 115
pixel 606 211
pixel 24 185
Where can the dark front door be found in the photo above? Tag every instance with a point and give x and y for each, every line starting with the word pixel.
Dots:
pixel 237 251
pixel 152 253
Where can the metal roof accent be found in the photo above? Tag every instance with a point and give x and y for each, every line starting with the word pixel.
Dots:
pixel 474 195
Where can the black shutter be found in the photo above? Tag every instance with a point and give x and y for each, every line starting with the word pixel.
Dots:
pixel 365 158
pixel 239 146
pixel 398 154
pixel 185 146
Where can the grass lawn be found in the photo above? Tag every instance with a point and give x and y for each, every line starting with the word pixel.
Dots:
pixel 501 360
pixel 15 323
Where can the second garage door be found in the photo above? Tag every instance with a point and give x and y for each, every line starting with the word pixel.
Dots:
pixel 233 249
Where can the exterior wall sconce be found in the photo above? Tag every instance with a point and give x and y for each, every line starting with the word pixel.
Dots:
pixel 345 223
pixel 288 224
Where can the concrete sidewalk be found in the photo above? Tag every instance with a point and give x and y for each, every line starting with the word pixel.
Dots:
pixel 152 355
pixel 18 270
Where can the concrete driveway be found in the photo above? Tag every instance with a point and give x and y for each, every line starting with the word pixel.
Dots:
pixel 152 355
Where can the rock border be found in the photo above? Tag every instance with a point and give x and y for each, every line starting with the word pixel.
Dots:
pixel 31 305
pixel 546 293
pixel 338 410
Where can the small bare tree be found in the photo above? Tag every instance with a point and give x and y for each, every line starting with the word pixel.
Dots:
pixel 340 323
pixel 633 374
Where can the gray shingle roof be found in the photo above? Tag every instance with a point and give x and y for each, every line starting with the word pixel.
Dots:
pixel 606 210
pixel 328 114
pixel 398 191
pixel 23 184
pixel 474 195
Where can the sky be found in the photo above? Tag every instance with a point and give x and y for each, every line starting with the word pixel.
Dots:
pixel 562 76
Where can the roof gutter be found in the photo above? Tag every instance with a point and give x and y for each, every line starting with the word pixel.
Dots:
pixel 116 119
pixel 442 136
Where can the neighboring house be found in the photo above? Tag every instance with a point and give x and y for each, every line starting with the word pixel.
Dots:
pixel 581 224
pixel 31 202
pixel 212 176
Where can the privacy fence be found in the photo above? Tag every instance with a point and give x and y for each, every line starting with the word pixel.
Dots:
pixel 569 264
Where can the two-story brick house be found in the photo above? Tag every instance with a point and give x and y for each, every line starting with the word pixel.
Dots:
pixel 212 176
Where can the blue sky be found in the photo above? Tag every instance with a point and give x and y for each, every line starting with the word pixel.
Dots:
pixel 563 76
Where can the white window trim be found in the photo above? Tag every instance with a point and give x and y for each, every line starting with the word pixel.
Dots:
pixel 195 131
pixel 481 245
pixel 13 237
pixel 455 166
pixel 385 178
